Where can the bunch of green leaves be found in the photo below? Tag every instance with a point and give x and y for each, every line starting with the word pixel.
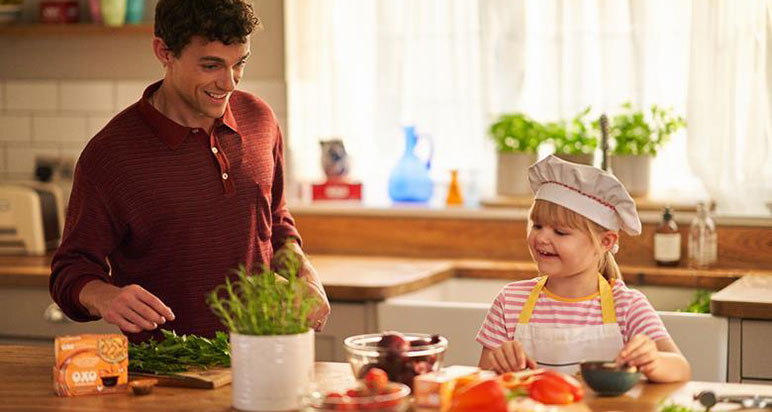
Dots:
pixel 265 303
pixel 701 302
pixel 179 353
pixel 635 132
pixel 517 132
pixel 576 136
pixel 674 407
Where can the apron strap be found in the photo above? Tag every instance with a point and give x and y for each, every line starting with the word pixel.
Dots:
pixel 525 314
pixel 606 301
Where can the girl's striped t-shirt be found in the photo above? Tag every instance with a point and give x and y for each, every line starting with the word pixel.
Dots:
pixel 635 315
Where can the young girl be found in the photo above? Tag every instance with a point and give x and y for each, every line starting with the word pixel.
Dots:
pixel 579 309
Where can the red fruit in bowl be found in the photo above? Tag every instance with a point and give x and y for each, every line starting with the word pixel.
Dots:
pixel 376 379
pixel 393 342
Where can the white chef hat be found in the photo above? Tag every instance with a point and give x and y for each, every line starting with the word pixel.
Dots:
pixel 589 191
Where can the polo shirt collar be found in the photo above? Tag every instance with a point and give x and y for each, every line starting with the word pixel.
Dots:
pixel 170 132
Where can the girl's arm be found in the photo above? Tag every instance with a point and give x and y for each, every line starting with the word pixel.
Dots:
pixel 660 360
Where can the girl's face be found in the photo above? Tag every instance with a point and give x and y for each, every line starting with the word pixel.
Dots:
pixel 562 251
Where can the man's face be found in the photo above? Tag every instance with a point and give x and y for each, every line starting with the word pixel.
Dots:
pixel 205 74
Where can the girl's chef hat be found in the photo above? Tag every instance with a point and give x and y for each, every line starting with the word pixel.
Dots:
pixel 589 191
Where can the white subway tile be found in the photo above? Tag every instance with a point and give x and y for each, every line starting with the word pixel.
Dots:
pixel 21 159
pixel 71 152
pixel 31 95
pixel 59 129
pixel 95 124
pixel 274 93
pixel 129 92
pixel 15 128
pixel 91 96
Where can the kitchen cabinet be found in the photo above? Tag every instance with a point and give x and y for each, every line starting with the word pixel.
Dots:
pixel 31 316
pixel 757 350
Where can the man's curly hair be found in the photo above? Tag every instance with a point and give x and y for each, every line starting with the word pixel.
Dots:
pixel 227 21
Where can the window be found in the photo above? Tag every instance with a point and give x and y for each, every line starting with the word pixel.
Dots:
pixel 359 69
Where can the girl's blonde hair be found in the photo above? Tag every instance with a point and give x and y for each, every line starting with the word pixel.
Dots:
pixel 552 214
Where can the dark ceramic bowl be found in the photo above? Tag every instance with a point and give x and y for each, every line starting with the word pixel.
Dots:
pixel 609 379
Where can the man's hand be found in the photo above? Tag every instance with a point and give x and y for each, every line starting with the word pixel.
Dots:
pixel 318 317
pixel 131 308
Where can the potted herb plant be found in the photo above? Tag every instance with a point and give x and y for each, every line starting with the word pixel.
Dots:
pixel 272 343
pixel 517 138
pixel 635 137
pixel 574 140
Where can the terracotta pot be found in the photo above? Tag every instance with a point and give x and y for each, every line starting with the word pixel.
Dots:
pixel 584 159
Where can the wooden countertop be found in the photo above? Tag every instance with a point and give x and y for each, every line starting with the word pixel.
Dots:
pixel 365 278
pixel 750 297
pixel 26 385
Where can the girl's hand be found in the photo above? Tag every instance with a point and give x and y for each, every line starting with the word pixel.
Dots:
pixel 509 357
pixel 642 353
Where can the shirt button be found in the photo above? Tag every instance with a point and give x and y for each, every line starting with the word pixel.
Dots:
pixel 224 176
pixel 214 150
pixel 195 130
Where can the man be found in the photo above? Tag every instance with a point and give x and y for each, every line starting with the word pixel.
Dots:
pixel 179 188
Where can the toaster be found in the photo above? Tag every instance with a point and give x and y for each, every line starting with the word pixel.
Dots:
pixel 31 217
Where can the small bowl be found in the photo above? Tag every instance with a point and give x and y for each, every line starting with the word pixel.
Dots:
pixel 142 386
pixel 608 378
pixel 401 365
pixel 397 401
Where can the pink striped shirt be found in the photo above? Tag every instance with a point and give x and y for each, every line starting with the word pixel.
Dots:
pixel 635 315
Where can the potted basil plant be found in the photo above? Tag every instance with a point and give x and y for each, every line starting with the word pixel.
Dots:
pixel 272 343
pixel 635 137
pixel 517 138
pixel 575 140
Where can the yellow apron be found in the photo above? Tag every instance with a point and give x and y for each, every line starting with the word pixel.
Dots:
pixel 563 348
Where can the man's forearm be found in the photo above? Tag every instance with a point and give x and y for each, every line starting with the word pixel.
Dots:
pixel 90 294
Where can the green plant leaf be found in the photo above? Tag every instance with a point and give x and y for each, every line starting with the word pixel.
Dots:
pixel 267 302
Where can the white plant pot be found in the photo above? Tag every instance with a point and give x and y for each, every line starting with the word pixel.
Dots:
pixel 512 173
pixel 270 373
pixel 634 172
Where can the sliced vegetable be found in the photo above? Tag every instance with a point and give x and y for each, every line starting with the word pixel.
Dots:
pixel 485 395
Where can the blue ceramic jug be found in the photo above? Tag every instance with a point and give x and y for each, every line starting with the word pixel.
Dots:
pixel 409 180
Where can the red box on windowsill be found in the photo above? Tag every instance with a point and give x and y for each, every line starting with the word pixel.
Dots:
pixel 336 191
pixel 59 12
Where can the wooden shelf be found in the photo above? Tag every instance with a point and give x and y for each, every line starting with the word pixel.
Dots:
pixel 79 29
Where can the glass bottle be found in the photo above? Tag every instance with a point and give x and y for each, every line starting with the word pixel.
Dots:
pixel 454 197
pixel 702 239
pixel 667 241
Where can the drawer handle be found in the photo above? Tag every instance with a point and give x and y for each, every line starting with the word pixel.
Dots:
pixel 54 314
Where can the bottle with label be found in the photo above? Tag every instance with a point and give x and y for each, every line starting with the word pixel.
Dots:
pixel 703 241
pixel 667 241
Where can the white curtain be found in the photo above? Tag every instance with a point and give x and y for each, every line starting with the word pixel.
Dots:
pixel 359 69
pixel 730 136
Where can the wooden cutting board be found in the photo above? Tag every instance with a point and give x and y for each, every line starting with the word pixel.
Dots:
pixel 202 379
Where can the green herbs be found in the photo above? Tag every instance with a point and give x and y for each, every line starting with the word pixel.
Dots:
pixel 265 303
pixel 517 132
pixel 179 353
pixel 701 302
pixel 635 132
pixel 678 408
pixel 574 137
